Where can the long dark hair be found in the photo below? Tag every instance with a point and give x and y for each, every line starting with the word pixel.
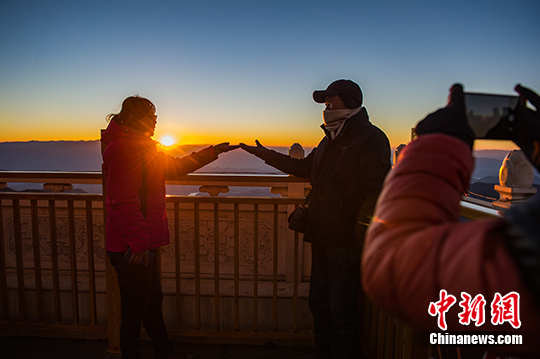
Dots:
pixel 134 108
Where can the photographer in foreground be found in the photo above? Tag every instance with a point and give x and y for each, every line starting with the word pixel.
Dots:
pixel 416 246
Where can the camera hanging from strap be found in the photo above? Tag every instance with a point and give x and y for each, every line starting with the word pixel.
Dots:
pixel 298 218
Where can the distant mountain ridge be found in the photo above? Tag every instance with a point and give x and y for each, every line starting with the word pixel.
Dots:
pixel 50 156
pixel 86 156
pixel 487 168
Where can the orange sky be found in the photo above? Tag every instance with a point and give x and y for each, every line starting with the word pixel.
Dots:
pixel 307 133
pixel 250 71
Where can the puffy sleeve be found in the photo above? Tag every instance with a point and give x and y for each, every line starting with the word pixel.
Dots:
pixel 417 245
pixel 175 166
pixel 300 167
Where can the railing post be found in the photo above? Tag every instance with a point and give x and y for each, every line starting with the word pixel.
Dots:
pixel 294 190
pixel 397 152
pixel 516 178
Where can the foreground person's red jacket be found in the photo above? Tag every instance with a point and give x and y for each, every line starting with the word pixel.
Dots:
pixel 127 197
pixel 417 246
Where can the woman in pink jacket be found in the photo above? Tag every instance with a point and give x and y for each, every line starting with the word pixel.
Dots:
pixel 134 174
pixel 437 273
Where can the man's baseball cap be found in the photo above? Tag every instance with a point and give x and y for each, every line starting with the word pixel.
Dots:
pixel 349 91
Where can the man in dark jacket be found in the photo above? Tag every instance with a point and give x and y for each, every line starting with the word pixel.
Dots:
pixel 347 170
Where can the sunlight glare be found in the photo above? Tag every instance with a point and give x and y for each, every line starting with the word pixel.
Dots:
pixel 167 141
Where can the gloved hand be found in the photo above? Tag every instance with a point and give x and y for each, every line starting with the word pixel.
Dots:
pixel 258 150
pixel 527 132
pixel 450 120
pixel 224 147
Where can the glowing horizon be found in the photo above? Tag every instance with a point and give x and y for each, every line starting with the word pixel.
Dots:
pixel 272 137
pixel 195 140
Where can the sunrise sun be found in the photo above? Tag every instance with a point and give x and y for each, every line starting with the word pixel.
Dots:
pixel 168 140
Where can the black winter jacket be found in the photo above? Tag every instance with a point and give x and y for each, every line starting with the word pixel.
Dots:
pixel 346 175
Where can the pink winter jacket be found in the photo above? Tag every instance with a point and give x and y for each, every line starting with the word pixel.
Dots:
pixel 123 158
pixel 417 245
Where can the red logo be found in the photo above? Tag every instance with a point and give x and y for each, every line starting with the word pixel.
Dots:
pixel 472 310
pixel 503 309
pixel 441 307
pixel 506 309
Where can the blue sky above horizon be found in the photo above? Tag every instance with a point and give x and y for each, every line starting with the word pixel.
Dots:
pixel 239 70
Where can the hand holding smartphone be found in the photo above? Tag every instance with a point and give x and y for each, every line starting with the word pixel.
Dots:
pixel 491 116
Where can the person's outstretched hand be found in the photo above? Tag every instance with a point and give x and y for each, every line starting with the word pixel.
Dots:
pixel 224 147
pixel 527 132
pixel 450 120
pixel 258 150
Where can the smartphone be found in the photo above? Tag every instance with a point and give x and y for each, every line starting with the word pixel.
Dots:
pixel 491 116
pixel 128 255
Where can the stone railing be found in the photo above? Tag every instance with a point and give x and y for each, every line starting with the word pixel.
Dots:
pixel 232 271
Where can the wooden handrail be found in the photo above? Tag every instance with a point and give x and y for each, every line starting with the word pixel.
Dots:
pixel 190 179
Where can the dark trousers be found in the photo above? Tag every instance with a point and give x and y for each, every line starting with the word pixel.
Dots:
pixel 333 301
pixel 141 300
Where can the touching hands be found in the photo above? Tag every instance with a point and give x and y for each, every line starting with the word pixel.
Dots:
pixel 258 150
pixel 224 147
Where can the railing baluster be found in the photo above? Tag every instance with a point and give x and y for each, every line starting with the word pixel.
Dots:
pixel 275 270
pixel 374 325
pixel 54 262
pixel 178 264
pixel 91 266
pixel 398 338
pixel 389 337
pixel 37 260
pixel 196 244
pixel 73 262
pixel 236 267
pixel 255 267
pixel 295 283
pixel 366 319
pixel 216 265
pixel 19 258
pixel 3 269
pixel 381 334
